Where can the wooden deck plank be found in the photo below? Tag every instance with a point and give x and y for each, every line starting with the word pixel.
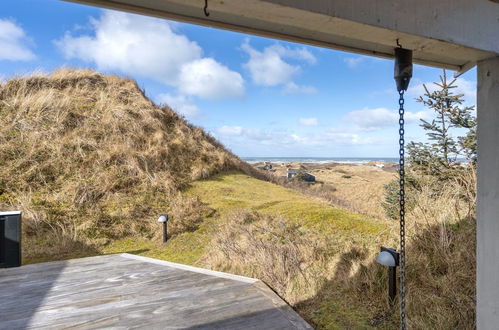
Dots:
pixel 124 291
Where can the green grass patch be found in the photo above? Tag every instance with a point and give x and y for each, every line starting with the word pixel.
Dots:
pixel 233 191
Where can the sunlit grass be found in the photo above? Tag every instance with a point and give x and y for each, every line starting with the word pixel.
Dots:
pixel 233 191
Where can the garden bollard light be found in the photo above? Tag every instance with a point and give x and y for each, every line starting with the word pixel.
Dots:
pixel 390 257
pixel 163 218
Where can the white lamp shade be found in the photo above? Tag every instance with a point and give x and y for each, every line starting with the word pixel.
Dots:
pixel 163 218
pixel 386 258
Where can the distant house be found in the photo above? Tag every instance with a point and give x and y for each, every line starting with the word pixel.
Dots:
pixel 266 166
pixel 292 173
pixel 304 176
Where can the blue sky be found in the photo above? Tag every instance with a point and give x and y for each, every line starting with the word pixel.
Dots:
pixel 259 96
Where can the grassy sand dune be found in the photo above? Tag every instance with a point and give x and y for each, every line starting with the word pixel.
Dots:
pixel 92 163
pixel 235 191
pixel 90 159
pixel 232 191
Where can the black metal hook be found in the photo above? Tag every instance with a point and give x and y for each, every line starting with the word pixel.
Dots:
pixel 398 43
pixel 206 13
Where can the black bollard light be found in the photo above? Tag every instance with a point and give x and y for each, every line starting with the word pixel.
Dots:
pixel 390 257
pixel 163 218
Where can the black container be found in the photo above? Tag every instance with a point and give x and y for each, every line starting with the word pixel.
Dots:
pixel 403 68
pixel 10 239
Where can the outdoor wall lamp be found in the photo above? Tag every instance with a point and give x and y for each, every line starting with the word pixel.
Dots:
pixel 163 218
pixel 390 257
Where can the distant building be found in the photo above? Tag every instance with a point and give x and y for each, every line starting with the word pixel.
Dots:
pixel 266 166
pixel 304 176
pixel 292 173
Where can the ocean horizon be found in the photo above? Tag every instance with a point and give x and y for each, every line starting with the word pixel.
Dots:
pixel 343 160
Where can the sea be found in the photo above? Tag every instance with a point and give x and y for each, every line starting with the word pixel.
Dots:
pixel 343 160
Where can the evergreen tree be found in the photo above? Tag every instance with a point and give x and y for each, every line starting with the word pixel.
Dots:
pixel 439 155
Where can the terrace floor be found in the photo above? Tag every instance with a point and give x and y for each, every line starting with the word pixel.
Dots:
pixel 127 291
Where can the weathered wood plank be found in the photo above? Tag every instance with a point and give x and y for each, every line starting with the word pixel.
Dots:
pixel 123 291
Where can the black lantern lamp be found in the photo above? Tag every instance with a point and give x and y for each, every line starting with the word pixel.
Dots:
pixel 163 218
pixel 390 257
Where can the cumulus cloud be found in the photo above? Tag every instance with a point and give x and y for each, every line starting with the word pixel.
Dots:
pixel 373 119
pixel 151 48
pixel 180 104
pixel 14 43
pixel 256 135
pixel 268 67
pixel 230 130
pixel 294 53
pixel 209 79
pixel 308 121
pixel 353 62
pixel 133 44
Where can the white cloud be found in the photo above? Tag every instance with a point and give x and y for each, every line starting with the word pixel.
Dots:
pixel 415 117
pixel 268 68
pixel 180 104
pixel 295 53
pixel 281 138
pixel 373 119
pixel 308 121
pixel 339 138
pixel 133 44
pixel 209 79
pixel 256 135
pixel 353 62
pixel 292 88
pixel 14 44
pixel 467 88
pixel 230 130
pixel 262 136
pixel 150 47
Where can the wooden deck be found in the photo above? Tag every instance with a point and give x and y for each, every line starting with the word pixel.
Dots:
pixel 127 291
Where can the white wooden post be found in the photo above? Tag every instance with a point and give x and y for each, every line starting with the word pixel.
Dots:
pixel 488 195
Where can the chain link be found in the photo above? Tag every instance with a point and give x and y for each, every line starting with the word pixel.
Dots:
pixel 403 323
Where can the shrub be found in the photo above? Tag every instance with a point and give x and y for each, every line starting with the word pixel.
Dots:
pixel 186 214
pixel 286 256
pixel 392 190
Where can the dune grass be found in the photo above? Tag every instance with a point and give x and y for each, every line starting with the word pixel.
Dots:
pixel 321 259
pixel 90 159
pixel 305 231
pixel 232 191
pixel 92 163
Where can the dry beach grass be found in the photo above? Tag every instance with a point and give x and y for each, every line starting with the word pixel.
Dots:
pixel 358 187
pixel 92 162
pixel 89 158
pixel 330 276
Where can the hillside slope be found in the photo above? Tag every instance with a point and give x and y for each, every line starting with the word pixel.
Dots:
pixel 92 162
pixel 88 157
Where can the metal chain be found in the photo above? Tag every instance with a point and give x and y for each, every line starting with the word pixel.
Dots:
pixel 403 323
